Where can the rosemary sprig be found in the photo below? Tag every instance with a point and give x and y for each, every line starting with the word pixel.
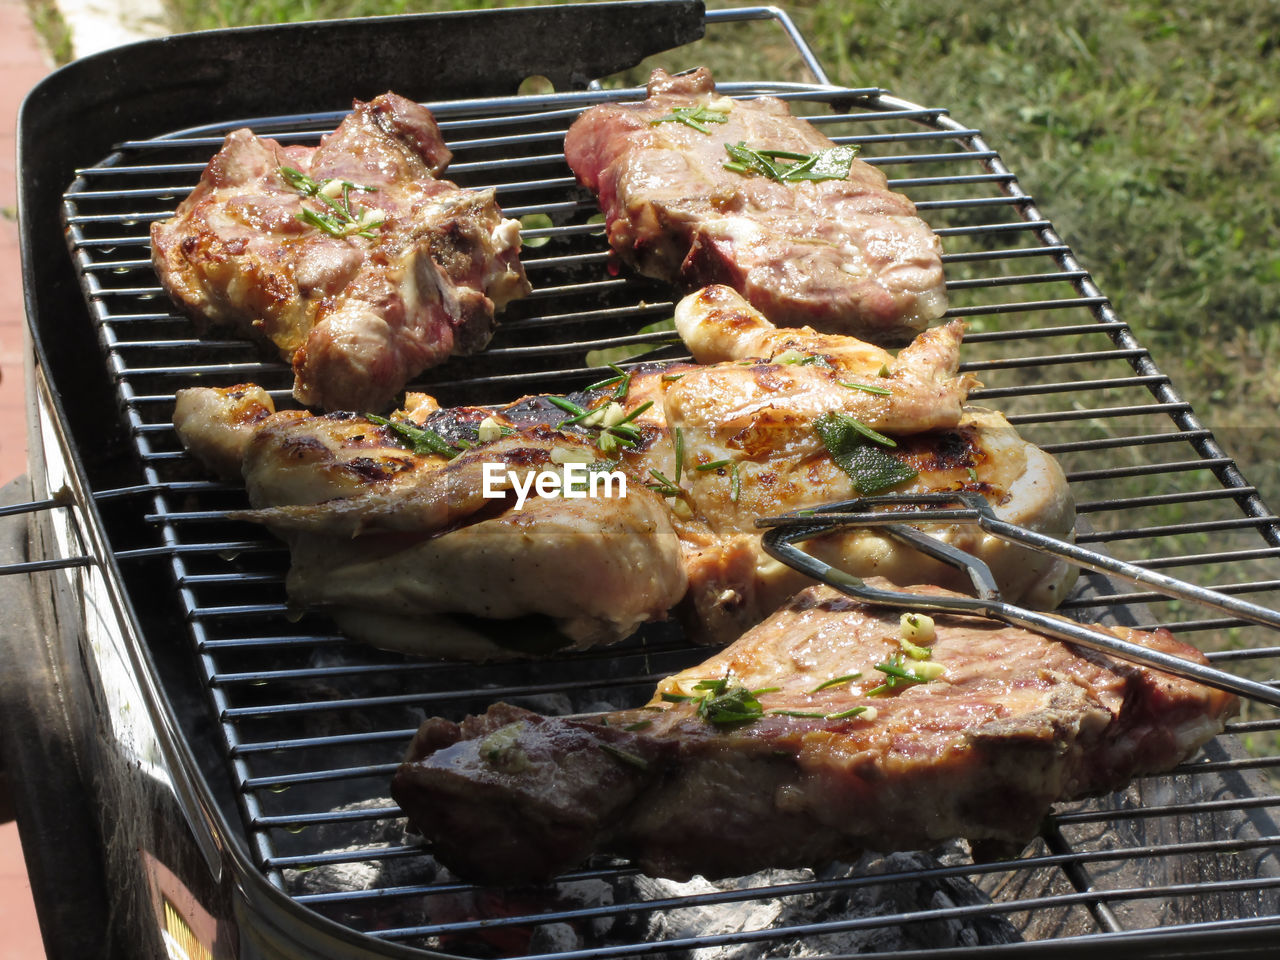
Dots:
pixel 865 388
pixel 899 673
pixel 797 359
pixel 735 478
pixel 836 681
pixel 421 440
pixel 622 380
pixel 833 163
pixel 725 703
pixel 343 220
pixel 694 117
pixel 611 435
pixel 818 715
pixel 626 756
pixel 664 486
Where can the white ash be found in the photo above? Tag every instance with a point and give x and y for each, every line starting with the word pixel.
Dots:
pixel 832 906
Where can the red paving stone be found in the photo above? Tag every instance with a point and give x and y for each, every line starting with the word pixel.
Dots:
pixel 22 64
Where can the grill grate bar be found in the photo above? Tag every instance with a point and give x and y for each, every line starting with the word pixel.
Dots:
pixel 808 930
pixel 1161 499
pixel 333 740
pixel 333 816
pixel 348 856
pixel 1206 526
pixel 421 699
pixel 1067 857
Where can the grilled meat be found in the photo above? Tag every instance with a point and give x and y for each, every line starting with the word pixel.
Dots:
pixel 845 255
pixel 719 444
pixel 389 541
pixel 749 449
pixel 711 779
pixel 353 259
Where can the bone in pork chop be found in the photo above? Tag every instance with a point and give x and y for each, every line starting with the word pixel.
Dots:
pixel 777 752
pixel 353 259
pixel 844 255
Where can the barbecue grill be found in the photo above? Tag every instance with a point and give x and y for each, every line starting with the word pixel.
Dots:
pixel 205 771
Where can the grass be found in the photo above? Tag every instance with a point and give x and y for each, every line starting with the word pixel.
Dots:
pixel 52 29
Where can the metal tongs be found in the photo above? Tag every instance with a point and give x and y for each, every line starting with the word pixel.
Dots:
pixel 967 507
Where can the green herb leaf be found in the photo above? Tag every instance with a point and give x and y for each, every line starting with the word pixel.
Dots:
pixel 664 486
pixel 836 681
pixel 421 440
pixel 846 714
pixel 726 703
pixel 665 331
pixel 865 388
pixel 344 220
pixel 868 465
pixel 640 763
pixel 735 478
pixel 898 673
pixel 834 163
pixel 299 181
pixel 831 164
pixel 694 117
pixel 798 359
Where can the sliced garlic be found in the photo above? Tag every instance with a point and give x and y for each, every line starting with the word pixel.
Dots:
pixel 561 454
pixel 489 429
pixel 917 628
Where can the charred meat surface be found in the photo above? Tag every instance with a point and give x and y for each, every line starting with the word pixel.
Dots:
pixel 841 253
pixel 796 747
pixel 353 258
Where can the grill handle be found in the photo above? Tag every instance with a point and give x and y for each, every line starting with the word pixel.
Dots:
pixel 63 498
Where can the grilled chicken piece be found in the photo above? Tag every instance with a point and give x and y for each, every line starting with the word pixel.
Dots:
pixel 359 307
pixel 753 415
pixel 390 541
pixel 341 491
pixel 710 779
pixel 845 255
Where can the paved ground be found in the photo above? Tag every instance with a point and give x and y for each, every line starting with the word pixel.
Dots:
pixel 22 64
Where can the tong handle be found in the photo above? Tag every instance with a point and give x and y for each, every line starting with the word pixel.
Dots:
pixel 977 510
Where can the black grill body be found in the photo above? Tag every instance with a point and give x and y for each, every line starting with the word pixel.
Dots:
pixel 229 761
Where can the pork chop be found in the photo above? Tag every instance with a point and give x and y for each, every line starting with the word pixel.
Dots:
pixel 353 259
pixel 843 254
pixel 796 746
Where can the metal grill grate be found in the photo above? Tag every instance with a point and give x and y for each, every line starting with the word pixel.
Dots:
pixel 312 725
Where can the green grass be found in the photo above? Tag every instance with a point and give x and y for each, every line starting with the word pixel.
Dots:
pixel 52 29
